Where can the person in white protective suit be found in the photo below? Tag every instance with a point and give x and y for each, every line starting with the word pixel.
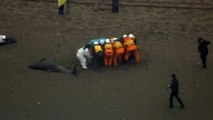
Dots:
pixel 2 38
pixel 83 54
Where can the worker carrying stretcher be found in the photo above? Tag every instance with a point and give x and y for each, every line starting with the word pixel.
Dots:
pixel 130 48
pixel 108 53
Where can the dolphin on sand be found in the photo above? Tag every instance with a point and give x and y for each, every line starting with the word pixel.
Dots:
pixel 48 66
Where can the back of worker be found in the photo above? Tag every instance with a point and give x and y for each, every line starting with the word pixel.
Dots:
pixel 108 53
pixel 130 48
pixel 99 40
pixel 118 51
pixel 98 53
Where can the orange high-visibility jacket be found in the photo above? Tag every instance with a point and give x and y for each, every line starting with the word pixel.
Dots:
pixel 129 44
pixel 117 44
pixel 98 48
pixel 119 48
pixel 108 49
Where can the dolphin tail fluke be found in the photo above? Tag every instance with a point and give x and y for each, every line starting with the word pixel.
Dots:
pixel 74 70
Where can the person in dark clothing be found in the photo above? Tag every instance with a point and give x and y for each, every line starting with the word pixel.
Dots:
pixel 99 58
pixel 174 92
pixel 61 4
pixel 98 53
pixel 61 10
pixel 115 5
pixel 203 49
pixel 6 40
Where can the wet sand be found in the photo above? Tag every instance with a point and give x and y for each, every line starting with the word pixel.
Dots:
pixel 167 40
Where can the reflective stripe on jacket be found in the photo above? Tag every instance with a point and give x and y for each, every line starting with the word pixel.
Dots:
pixel 129 44
pixel 98 48
pixel 117 44
pixel 128 41
pixel 108 49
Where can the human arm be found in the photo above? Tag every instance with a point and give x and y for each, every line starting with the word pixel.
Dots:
pixel 87 46
pixel 168 86
pixel 135 41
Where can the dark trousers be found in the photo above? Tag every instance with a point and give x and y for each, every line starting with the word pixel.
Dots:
pixel 203 59
pixel 99 58
pixel 61 10
pixel 115 5
pixel 172 95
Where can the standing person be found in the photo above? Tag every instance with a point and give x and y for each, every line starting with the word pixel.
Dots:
pixel 131 48
pixel 203 49
pixel 108 53
pixel 99 3
pixel 118 51
pixel 115 6
pixel 174 86
pixel 61 6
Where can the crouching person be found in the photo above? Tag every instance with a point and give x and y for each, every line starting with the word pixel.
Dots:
pixel 98 53
pixel 83 54
pixel 118 51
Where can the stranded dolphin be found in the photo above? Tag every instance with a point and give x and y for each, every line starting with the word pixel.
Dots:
pixel 48 66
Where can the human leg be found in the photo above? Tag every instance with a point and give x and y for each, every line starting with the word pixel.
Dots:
pixel 203 59
pixel 113 5
pixel 115 57
pixel 137 56
pixel 61 10
pixel 179 100
pixel 116 5
pixel 110 60
pixel 82 60
pixel 99 58
pixel 106 60
pixel 127 54
pixel 171 100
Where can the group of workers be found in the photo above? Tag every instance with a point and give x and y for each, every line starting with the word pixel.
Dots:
pixel 109 51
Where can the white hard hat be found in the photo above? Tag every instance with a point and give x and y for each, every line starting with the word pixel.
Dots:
pixel 115 39
pixel 101 41
pixel 131 36
pixel 107 41
pixel 96 43
pixel 124 35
